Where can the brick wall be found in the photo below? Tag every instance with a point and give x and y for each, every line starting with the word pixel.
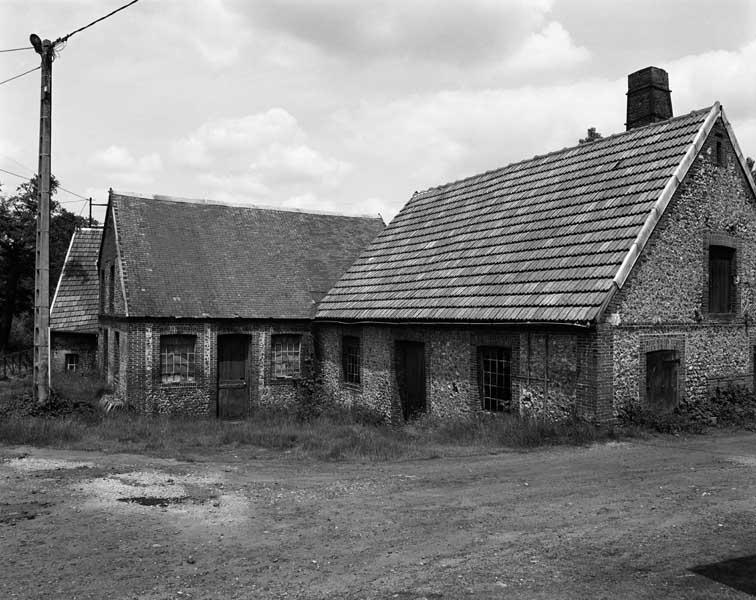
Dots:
pixel 140 382
pixel 549 369
pixel 664 303
pixel 108 259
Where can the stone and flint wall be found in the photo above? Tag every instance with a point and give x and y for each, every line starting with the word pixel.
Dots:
pixel 136 376
pixel 551 370
pixel 664 303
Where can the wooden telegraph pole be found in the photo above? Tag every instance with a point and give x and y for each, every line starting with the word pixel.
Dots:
pixel 42 258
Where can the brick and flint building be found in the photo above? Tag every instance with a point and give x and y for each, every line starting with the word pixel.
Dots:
pixel 613 274
pixel 207 308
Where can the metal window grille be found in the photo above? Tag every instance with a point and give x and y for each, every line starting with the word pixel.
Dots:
pixel 72 362
pixel 350 359
pixel 177 359
pixel 286 353
pixel 495 381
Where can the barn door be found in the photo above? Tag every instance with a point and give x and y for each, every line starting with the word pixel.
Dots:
pixel 410 377
pixel 233 384
pixel 661 379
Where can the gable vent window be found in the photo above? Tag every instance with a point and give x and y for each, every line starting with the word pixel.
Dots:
pixel 177 359
pixel 721 279
pixel 720 154
pixel 286 350
pixel 111 289
pixel 350 359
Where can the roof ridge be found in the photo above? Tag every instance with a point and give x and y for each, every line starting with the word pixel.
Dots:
pixel 210 202
pixel 613 136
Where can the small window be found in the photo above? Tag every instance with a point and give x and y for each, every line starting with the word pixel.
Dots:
pixel 286 355
pixel 102 290
pixel 495 380
pixel 350 359
pixel 721 279
pixel 720 155
pixel 177 359
pixel 72 362
pixel 111 289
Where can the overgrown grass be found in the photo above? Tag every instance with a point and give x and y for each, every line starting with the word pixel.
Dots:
pixel 74 420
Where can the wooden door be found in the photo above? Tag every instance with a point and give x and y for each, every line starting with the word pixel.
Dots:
pixel 661 379
pixel 410 378
pixel 233 376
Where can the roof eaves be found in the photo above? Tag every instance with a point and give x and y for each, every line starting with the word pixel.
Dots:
pixel 62 271
pixel 120 260
pixel 660 206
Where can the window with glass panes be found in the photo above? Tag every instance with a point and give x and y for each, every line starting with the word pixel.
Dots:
pixel 350 359
pixel 495 380
pixel 285 351
pixel 177 359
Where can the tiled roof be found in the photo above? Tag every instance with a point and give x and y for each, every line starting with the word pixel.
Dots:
pixel 197 259
pixel 76 302
pixel 540 240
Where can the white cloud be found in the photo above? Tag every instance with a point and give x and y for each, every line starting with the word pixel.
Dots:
pixel 119 164
pixel 549 49
pixel 263 157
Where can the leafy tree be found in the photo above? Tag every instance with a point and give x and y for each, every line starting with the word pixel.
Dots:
pixel 592 136
pixel 17 241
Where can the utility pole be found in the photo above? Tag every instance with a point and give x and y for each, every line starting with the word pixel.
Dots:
pixel 46 49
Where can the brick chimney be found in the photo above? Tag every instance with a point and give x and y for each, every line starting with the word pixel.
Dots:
pixel 648 97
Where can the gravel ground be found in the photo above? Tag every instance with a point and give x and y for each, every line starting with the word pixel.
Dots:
pixel 667 517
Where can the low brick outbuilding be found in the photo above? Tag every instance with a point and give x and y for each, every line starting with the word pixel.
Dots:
pixel 206 308
pixel 73 312
pixel 613 274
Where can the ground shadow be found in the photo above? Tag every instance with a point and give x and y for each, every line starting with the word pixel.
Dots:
pixel 738 573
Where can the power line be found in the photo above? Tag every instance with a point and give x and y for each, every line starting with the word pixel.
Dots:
pixel 110 14
pixel 60 187
pixel 17 49
pixel 14 174
pixel 21 75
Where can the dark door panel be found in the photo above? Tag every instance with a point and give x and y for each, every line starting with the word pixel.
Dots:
pixel 233 385
pixel 410 378
pixel 661 380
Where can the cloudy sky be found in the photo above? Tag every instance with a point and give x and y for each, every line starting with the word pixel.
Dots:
pixel 348 105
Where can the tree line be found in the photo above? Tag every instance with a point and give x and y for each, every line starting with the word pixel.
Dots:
pixel 18 227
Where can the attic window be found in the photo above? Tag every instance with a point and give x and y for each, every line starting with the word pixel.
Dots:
pixel 720 156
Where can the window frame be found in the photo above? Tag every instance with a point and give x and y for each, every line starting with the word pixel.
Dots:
pixel 275 352
pixel 725 241
pixel 172 340
pixel 351 362
pixel 71 359
pixel 502 404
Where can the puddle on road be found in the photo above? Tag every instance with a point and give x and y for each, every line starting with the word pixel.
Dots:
pixel 156 501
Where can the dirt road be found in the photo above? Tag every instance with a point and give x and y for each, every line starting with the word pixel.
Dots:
pixel 646 519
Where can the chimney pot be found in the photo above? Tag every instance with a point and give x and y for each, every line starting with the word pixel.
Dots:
pixel 649 99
